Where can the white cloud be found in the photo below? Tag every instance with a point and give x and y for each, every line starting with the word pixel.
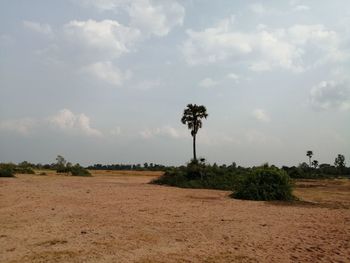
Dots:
pixel 222 42
pixel 21 126
pixel 215 44
pixel 261 115
pixel 217 138
pixel 156 17
pixel 318 43
pixel 207 83
pixel 148 84
pixel 107 37
pixel 102 5
pixel 254 136
pixel 203 137
pixel 165 131
pixel 116 131
pixel 65 120
pixel 297 5
pixel 301 34
pixel 257 8
pixel 263 10
pixel 70 122
pixel 259 66
pixel 6 40
pixel 234 77
pixel 301 8
pixel 296 48
pixel 90 46
pixel 44 29
pixel 107 72
pixel 330 95
pixel 146 134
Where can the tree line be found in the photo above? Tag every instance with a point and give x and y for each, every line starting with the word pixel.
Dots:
pixel 192 116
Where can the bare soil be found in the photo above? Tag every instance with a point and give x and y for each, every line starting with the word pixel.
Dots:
pixel 115 217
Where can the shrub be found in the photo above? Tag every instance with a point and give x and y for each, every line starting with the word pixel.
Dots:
pixel 6 172
pixel 63 169
pixel 77 170
pixel 7 169
pixel 201 175
pixel 74 170
pixel 265 183
pixel 24 170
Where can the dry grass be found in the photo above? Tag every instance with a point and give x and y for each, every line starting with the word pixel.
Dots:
pixel 125 173
pixel 332 193
pixel 104 173
pixel 44 171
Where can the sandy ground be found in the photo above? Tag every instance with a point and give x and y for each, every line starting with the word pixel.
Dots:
pixel 109 218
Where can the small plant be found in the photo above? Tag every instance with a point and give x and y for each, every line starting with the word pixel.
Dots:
pixel 265 184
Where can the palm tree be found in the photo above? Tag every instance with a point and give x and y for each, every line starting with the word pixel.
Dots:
pixel 192 117
pixel 309 154
pixel 315 163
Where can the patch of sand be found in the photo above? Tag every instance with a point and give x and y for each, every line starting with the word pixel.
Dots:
pixel 110 218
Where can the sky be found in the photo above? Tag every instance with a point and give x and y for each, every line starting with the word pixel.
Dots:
pixel 106 81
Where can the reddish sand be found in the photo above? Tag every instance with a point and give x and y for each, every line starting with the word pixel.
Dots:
pixel 110 218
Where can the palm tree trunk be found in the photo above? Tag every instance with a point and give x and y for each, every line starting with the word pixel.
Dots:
pixel 194 148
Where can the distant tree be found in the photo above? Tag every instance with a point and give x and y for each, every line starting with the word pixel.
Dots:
pixel 193 116
pixel 315 163
pixel 339 161
pixel 324 165
pixel 234 165
pixel 60 160
pixel 309 154
pixel 303 166
pixel 25 164
pixel 60 164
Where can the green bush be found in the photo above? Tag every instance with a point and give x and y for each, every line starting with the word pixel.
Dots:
pixel 265 183
pixel 77 170
pixel 24 170
pixel 6 172
pixel 63 169
pixel 200 175
pixel 7 169
pixel 74 170
pixel 13 168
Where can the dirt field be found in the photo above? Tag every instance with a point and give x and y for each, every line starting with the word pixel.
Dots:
pixel 121 218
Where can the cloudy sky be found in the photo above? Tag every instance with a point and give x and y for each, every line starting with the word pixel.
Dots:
pixel 106 81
